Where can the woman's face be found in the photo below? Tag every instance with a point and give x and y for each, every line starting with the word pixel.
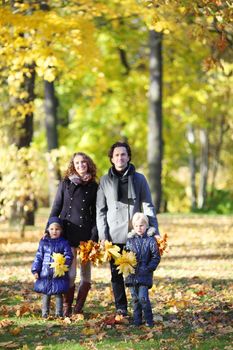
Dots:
pixel 80 165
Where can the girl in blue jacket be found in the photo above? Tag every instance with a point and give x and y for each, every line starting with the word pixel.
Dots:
pixel 45 281
pixel 142 242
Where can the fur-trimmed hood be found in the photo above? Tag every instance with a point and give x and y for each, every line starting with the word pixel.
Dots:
pixel 150 232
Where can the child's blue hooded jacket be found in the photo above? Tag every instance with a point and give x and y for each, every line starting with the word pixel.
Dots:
pixel 147 255
pixel 47 283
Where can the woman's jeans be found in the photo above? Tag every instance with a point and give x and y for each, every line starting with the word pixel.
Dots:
pixel 46 305
pixel 141 304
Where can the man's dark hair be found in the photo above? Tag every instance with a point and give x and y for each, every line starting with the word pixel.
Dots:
pixel 119 144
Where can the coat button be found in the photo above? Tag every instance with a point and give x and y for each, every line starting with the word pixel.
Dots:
pixel 83 200
pixel 69 215
pixel 80 225
pixel 81 208
pixel 86 192
pixel 71 198
pixel 80 217
pixel 70 207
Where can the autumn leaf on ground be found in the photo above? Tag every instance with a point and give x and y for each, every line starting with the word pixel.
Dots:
pixel 127 261
pixel 15 331
pixel 9 345
pixel 6 323
pixel 89 331
pixel 110 251
pixel 59 265
pixel 21 310
pixel 162 243
pixel 78 317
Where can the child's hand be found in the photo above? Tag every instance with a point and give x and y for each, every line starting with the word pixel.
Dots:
pixel 36 276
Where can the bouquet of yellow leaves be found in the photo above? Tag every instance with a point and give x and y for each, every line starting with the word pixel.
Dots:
pixel 59 265
pixel 126 263
pixel 110 251
pixel 96 254
pixel 162 243
pixel 85 249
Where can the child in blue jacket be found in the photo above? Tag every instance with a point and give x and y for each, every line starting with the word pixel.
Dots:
pixel 142 242
pixel 45 281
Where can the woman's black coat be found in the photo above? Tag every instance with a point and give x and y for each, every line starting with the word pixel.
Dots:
pixel 76 206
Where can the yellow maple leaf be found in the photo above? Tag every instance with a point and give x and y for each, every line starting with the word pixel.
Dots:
pixel 110 251
pixel 127 262
pixel 59 265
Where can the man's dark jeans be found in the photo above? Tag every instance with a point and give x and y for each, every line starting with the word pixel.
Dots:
pixel 118 286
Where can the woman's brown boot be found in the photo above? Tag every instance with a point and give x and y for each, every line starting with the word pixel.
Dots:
pixel 83 290
pixel 68 301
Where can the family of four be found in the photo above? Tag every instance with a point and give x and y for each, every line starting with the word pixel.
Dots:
pixel 119 210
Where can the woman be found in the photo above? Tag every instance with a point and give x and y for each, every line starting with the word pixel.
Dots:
pixel 75 203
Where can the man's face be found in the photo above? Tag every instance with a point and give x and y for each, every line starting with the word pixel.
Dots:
pixel 120 158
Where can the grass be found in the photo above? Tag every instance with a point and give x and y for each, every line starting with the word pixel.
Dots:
pixel 191 296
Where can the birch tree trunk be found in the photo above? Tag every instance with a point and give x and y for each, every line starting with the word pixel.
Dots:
pixel 217 150
pixel 192 165
pixel 204 167
pixel 155 143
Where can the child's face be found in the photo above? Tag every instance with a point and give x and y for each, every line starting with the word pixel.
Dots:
pixel 140 227
pixel 55 230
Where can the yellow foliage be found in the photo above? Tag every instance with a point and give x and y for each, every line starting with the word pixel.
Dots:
pixel 127 262
pixel 96 253
pixel 162 243
pixel 85 250
pixel 110 251
pixel 59 265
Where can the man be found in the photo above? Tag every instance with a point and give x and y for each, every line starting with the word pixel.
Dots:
pixel 122 192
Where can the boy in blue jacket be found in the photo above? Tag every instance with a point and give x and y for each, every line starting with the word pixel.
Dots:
pixel 45 281
pixel 142 242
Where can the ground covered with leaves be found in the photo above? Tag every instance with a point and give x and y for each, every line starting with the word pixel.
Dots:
pixel 191 297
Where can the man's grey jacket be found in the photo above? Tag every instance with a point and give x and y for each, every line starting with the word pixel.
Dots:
pixel 114 216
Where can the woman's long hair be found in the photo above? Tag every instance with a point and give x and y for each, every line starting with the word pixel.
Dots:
pixel 91 167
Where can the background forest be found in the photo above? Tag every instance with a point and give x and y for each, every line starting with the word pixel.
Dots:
pixel 78 76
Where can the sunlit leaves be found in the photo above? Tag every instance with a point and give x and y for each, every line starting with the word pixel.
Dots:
pixel 111 251
pixel 162 243
pixel 58 264
pixel 19 183
pixel 126 263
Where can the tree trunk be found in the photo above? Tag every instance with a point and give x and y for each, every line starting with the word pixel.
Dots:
pixel 192 166
pixel 204 167
pixel 217 151
pixel 50 115
pixel 19 216
pixel 26 127
pixel 155 142
pixel 52 136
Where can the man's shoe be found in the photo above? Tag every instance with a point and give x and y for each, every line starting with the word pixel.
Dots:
pixel 121 312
